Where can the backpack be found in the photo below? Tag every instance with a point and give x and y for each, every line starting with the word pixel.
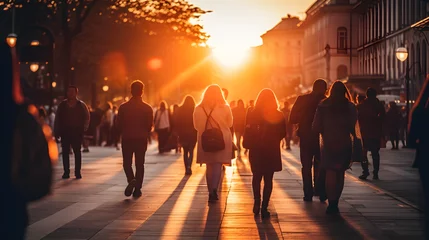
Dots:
pixel 31 160
pixel 253 133
pixel 212 138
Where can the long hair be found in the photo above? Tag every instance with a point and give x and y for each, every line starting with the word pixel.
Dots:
pixel 213 96
pixel 188 102
pixel 266 100
pixel 339 96
pixel 240 104
pixel 163 105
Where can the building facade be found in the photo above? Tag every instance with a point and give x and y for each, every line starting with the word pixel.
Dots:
pixel 329 49
pixel 281 53
pixel 385 25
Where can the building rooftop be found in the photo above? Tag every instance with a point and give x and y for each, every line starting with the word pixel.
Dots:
pixel 287 23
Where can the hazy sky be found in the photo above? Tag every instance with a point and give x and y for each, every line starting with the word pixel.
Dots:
pixel 239 23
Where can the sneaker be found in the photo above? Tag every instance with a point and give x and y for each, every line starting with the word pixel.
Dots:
pixel 364 176
pixel 66 176
pixel 78 175
pixel 130 188
pixel 137 193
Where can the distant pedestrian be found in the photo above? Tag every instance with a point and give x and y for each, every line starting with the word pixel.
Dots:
pixel 265 157
pixel 135 120
pixel 174 136
pixel 371 116
pixel 213 113
pixel 289 126
pixel 419 139
pixel 302 114
pixel 162 126
pixel 239 120
pixel 393 124
pixel 71 122
pixel 335 121
pixel 186 131
pixel 250 107
pixel 403 127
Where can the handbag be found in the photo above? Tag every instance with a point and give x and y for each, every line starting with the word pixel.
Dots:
pixel 212 138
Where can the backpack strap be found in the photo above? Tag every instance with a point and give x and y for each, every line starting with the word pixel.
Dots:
pixel 210 116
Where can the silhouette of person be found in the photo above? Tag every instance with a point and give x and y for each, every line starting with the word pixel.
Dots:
pixel 302 114
pixel 135 120
pixel 71 122
pixel 186 131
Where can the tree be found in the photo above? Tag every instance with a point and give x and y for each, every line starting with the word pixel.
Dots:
pixel 171 19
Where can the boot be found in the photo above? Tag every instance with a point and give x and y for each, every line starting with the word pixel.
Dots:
pixel 333 207
pixel 257 206
pixel 264 210
pixel 375 176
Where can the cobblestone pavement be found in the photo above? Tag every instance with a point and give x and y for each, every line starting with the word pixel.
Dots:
pixel 174 206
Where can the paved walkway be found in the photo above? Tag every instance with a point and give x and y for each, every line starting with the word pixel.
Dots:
pixel 175 207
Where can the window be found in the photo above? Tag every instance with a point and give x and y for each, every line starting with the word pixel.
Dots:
pixel 342 40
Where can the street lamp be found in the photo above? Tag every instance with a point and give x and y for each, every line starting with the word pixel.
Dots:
pixel 54 84
pixel 34 67
pixel 11 40
pixel 105 88
pixel 401 54
pixel 34 43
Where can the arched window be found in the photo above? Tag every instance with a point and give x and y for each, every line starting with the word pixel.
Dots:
pixel 342 72
pixel 342 40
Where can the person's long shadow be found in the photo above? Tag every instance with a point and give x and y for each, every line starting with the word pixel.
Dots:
pixel 266 229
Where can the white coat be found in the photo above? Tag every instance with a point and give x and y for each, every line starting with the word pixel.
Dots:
pixel 223 116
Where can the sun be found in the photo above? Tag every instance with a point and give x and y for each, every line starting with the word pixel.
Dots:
pixel 230 56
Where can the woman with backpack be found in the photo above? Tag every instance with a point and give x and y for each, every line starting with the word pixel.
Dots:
pixel 265 128
pixel 335 121
pixel 213 120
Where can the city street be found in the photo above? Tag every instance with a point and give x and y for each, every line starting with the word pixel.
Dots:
pixel 174 206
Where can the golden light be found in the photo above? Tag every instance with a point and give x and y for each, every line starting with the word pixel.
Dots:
pixel 401 54
pixel 230 56
pixel 105 88
pixel 34 67
pixel 11 40
pixel 54 84
pixel 154 64
pixel 34 43
pixel 105 78
pixel 127 98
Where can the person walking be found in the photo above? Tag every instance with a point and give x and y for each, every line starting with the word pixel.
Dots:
pixel 393 124
pixel 371 116
pixel 134 124
pixel 186 131
pixel 303 114
pixel 289 126
pixel 213 112
pixel 71 122
pixel 239 121
pixel 265 157
pixel 418 138
pixel 162 126
pixel 335 121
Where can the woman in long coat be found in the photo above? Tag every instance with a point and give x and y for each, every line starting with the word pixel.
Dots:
pixel 213 104
pixel 187 133
pixel 335 120
pixel 265 159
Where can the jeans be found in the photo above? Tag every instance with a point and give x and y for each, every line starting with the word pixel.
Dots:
pixel 188 155
pixel 75 141
pixel 310 159
pixel 375 153
pixel 239 136
pixel 138 149
pixel 268 187
pixel 213 175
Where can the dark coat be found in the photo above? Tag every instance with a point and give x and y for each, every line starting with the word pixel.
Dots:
pixel 185 127
pixel 239 119
pixel 303 114
pixel 267 157
pixel 419 130
pixel 393 120
pixel 371 115
pixel 135 119
pixel 335 128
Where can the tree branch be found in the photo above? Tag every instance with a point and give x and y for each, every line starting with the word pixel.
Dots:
pixel 80 18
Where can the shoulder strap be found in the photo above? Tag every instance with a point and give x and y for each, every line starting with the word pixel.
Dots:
pixel 210 116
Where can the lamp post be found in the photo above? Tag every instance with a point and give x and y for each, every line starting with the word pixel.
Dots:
pixel 402 55
pixel 12 37
pixel 328 61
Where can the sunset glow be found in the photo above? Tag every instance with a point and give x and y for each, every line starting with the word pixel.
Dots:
pixel 230 56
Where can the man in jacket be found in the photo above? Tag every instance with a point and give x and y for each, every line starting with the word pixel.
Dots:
pixel 371 115
pixel 71 121
pixel 302 113
pixel 135 120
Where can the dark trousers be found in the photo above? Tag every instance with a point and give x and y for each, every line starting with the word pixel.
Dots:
pixel 310 159
pixel 188 155
pixel 375 153
pixel 268 187
pixel 162 139
pixel 75 141
pixel 138 149
pixel 239 136
pixel 394 138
